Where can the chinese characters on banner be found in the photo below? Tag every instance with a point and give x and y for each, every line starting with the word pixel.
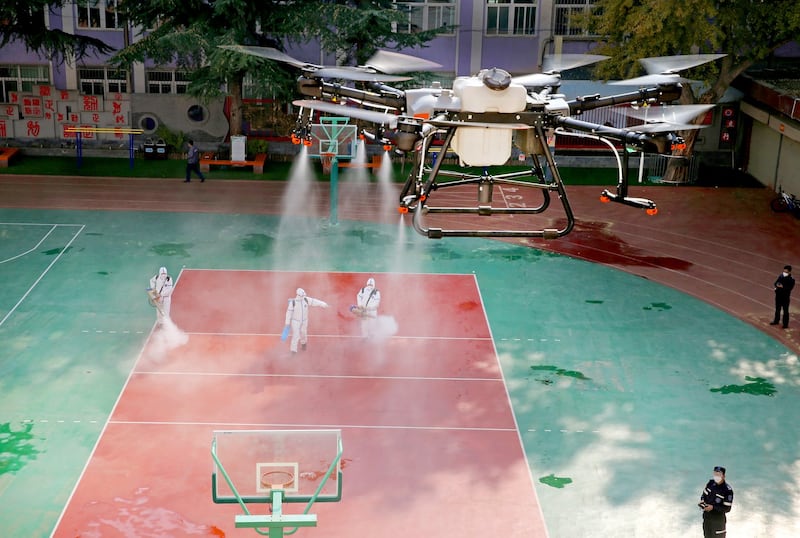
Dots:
pixel 46 113
pixel 728 126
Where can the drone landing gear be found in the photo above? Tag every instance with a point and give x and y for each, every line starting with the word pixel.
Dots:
pixel 621 195
pixel 416 197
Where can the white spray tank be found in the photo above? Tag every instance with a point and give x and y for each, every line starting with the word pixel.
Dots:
pixel 482 146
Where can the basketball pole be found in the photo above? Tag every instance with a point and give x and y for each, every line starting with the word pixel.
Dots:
pixel 334 214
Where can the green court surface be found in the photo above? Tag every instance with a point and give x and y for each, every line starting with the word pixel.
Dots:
pixel 626 393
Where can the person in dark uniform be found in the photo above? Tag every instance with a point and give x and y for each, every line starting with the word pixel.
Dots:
pixel 716 501
pixel 783 290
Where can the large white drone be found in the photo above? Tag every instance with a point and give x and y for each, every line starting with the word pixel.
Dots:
pixel 482 117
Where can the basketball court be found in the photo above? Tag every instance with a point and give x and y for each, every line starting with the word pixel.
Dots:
pixel 518 393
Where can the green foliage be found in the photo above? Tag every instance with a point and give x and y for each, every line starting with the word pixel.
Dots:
pixel 745 30
pixel 356 29
pixel 23 21
pixel 174 140
pixel 256 146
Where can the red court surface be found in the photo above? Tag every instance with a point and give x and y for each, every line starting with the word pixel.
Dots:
pixel 431 447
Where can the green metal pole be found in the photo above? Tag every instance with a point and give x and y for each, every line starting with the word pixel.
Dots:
pixel 334 218
pixel 277 512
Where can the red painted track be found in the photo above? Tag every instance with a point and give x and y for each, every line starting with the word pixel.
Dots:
pixel 428 435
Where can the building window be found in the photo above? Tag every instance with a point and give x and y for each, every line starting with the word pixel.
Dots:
pixel 21 78
pixel 102 80
pixel 510 17
pixel 99 14
pixel 167 81
pixel 422 15
pixel 564 16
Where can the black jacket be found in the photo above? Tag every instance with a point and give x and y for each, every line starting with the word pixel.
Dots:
pixel 720 496
pixel 787 283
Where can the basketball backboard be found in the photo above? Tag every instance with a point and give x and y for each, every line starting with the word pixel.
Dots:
pixel 333 136
pixel 249 464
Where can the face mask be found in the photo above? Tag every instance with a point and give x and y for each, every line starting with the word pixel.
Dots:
pixel 785 274
pixel 717 479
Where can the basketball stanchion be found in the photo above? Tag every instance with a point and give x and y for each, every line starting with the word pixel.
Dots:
pixel 291 466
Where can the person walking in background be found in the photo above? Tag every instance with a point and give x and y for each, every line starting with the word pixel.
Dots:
pixel 783 291
pixel 716 501
pixel 193 163
pixel 297 318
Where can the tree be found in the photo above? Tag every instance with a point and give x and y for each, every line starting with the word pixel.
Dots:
pixel 24 21
pixel 358 28
pixel 188 34
pixel 746 30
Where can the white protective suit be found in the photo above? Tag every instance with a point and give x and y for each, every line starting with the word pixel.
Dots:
pixel 368 300
pixel 162 284
pixel 297 317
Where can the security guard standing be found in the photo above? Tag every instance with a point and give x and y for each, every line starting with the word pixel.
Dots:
pixel 716 501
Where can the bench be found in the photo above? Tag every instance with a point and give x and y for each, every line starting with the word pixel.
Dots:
pixel 257 164
pixel 6 154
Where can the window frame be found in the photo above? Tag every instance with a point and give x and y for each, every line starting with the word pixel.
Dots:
pixel 99 10
pixel 104 84
pixel 439 9
pixel 505 22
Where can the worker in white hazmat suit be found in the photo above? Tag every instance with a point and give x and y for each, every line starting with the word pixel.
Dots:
pixel 160 292
pixel 297 317
pixel 367 302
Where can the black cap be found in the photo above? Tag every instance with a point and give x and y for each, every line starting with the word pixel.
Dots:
pixel 788 268
pixel 719 469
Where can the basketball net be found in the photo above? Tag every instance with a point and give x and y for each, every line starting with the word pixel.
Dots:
pixel 327 163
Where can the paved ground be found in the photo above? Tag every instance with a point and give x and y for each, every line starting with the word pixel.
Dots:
pixel 614 380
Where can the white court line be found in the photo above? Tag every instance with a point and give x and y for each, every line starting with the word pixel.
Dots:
pixel 63 250
pixel 323 376
pixel 511 410
pixel 34 247
pixel 257 425
pixel 38 224
pixel 311 335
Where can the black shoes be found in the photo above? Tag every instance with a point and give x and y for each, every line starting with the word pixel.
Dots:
pixel 303 347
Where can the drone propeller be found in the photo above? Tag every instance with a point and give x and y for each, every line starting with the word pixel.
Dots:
pixel 380 118
pixel 374 71
pixel 358 74
pixel 673 64
pixel 662 70
pixel 563 62
pixel 664 127
pixel 270 54
pixel 552 67
pixel 676 114
pixel 394 62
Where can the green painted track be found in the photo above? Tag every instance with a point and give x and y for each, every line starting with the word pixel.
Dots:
pixel 626 393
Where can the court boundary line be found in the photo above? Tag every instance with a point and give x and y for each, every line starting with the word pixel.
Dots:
pixel 46 270
pixel 42 240
pixel 347 336
pixel 511 409
pixel 322 376
pixel 263 425
pixel 319 271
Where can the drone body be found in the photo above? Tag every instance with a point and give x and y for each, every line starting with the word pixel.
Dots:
pixel 482 118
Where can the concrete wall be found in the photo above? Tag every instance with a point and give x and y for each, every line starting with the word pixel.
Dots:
pixel 172 111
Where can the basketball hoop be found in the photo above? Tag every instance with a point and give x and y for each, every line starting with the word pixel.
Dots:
pixel 327 162
pixel 277 480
